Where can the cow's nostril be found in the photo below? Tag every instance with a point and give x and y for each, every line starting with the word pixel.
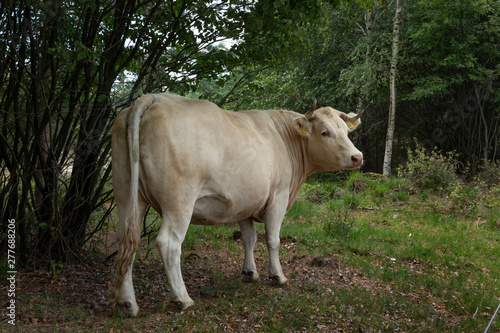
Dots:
pixel 357 159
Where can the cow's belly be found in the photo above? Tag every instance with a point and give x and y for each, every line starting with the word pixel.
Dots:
pixel 231 203
pixel 217 209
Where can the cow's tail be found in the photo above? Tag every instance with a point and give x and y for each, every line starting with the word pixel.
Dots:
pixel 129 229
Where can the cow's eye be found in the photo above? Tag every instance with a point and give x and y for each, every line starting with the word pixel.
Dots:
pixel 325 133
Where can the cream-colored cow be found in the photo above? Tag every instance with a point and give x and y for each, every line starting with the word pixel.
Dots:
pixel 196 163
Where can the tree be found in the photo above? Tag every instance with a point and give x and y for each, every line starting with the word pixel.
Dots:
pixel 60 62
pixel 392 108
pixel 451 75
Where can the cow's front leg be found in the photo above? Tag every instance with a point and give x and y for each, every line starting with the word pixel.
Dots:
pixel 249 237
pixel 273 225
pixel 169 241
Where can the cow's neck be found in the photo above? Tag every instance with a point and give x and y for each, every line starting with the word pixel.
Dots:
pixel 297 152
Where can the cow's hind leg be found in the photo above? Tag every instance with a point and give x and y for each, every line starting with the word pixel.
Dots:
pixel 249 237
pixel 127 303
pixel 169 240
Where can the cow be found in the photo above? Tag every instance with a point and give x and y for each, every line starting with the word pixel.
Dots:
pixel 194 162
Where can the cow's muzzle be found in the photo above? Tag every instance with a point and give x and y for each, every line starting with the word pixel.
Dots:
pixel 357 160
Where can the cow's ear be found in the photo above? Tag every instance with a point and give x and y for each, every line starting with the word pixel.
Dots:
pixel 302 126
pixel 352 120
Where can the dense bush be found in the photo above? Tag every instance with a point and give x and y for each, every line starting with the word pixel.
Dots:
pixel 430 170
pixel 490 174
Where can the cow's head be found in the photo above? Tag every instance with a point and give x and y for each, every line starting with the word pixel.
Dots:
pixel 326 131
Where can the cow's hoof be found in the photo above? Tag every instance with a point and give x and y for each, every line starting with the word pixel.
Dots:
pixel 279 280
pixel 128 309
pixel 183 305
pixel 249 276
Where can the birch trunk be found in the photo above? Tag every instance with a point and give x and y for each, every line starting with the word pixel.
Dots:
pixel 392 108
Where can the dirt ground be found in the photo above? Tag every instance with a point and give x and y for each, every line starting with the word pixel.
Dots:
pixel 79 292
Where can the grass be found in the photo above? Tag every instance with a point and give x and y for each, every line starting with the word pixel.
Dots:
pixel 361 254
pixel 404 242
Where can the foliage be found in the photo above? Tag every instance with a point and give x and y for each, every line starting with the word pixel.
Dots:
pixel 340 222
pixel 452 73
pixel 430 170
pixel 453 35
pixel 464 199
pixel 338 226
pixel 490 173
pixel 357 182
pixel 318 192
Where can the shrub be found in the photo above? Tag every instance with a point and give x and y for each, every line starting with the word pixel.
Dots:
pixel 430 170
pixel 494 218
pixel 380 190
pixel 490 173
pixel 317 193
pixel 338 226
pixel 351 200
pixel 464 198
pixel 357 182
pixel 491 198
pixel 400 196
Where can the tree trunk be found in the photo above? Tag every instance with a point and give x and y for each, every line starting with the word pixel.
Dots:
pixel 392 108
pixel 486 148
